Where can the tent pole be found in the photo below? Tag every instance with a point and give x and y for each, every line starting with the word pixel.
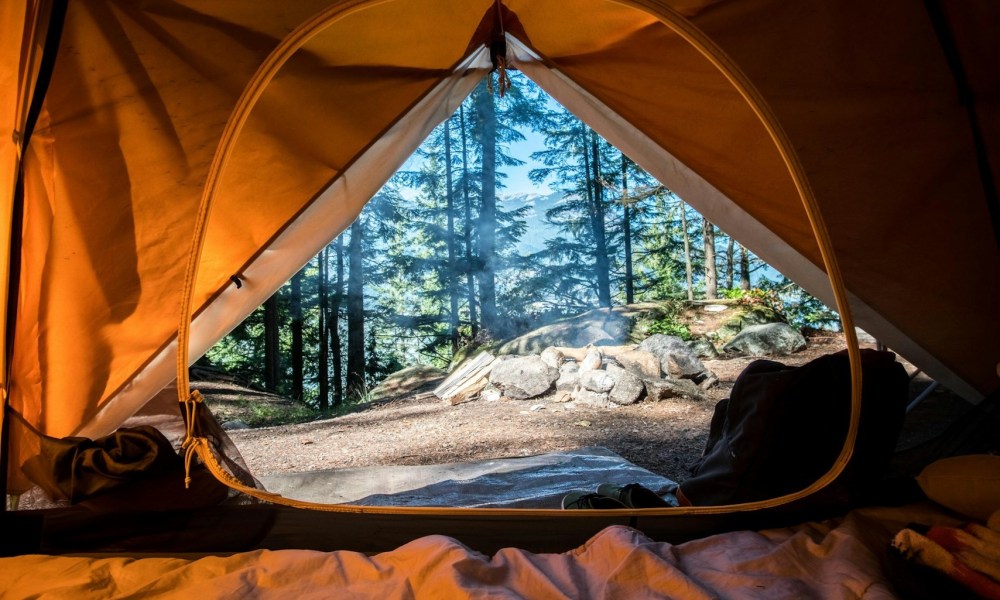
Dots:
pixel 946 39
pixel 923 396
pixel 53 34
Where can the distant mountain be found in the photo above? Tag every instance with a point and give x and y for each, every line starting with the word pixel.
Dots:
pixel 538 230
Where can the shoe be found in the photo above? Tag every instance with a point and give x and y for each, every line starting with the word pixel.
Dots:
pixel 633 495
pixel 585 500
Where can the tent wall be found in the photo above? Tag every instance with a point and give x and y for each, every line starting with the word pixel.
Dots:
pixel 141 94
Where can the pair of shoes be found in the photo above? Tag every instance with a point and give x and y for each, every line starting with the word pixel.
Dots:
pixel 633 495
pixel 584 500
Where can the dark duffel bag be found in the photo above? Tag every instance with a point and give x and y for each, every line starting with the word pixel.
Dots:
pixel 783 427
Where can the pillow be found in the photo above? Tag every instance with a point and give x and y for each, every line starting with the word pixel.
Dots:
pixel 968 485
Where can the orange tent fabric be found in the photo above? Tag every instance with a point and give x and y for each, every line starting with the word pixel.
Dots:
pixel 141 95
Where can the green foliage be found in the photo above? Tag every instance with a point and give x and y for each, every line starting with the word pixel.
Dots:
pixel 755 297
pixel 800 307
pixel 668 326
pixel 668 321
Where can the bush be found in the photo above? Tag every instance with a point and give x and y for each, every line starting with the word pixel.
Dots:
pixel 669 326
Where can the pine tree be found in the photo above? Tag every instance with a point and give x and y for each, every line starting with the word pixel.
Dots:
pixel 355 313
pixel 688 262
pixel 272 348
pixel 487 223
pixel 336 344
pixel 578 259
pixel 323 398
pixel 627 233
pixel 452 271
pixel 295 301
pixel 711 271
pixel 469 262
pixel 744 269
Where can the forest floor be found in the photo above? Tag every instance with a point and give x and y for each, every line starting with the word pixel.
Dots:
pixel 664 437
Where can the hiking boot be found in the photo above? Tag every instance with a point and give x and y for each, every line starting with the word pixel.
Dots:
pixel 578 500
pixel 633 495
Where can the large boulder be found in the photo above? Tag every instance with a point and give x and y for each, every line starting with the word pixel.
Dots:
pixel 628 388
pixel 771 339
pixel 748 316
pixel 676 357
pixel 703 348
pixel 523 377
pixel 601 326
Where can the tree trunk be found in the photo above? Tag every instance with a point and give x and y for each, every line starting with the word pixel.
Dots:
pixel 272 347
pixel 324 354
pixel 486 112
pixel 627 234
pixel 355 314
pixel 688 268
pixel 601 267
pixel 335 341
pixel 297 350
pixel 467 228
pixel 452 271
pixel 729 263
pixel 711 272
pixel 744 269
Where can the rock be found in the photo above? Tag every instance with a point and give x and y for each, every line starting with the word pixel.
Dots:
pixel 490 393
pixel 563 396
pixel 709 381
pixel 597 381
pixel 569 367
pixel 523 376
pixel 568 379
pixel 628 388
pixel 599 326
pixel 676 358
pixel 640 362
pixel 585 396
pixel 703 348
pixel 766 340
pixel 662 389
pixel 234 425
pixel 552 357
pixel 593 360
pixel 748 316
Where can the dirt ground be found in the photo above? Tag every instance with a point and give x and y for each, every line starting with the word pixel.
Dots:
pixel 665 437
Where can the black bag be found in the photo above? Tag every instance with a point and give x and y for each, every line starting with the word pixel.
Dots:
pixel 783 427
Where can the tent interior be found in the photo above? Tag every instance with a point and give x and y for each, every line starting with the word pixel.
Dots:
pixel 167 165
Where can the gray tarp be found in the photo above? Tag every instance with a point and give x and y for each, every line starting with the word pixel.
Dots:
pixel 529 482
